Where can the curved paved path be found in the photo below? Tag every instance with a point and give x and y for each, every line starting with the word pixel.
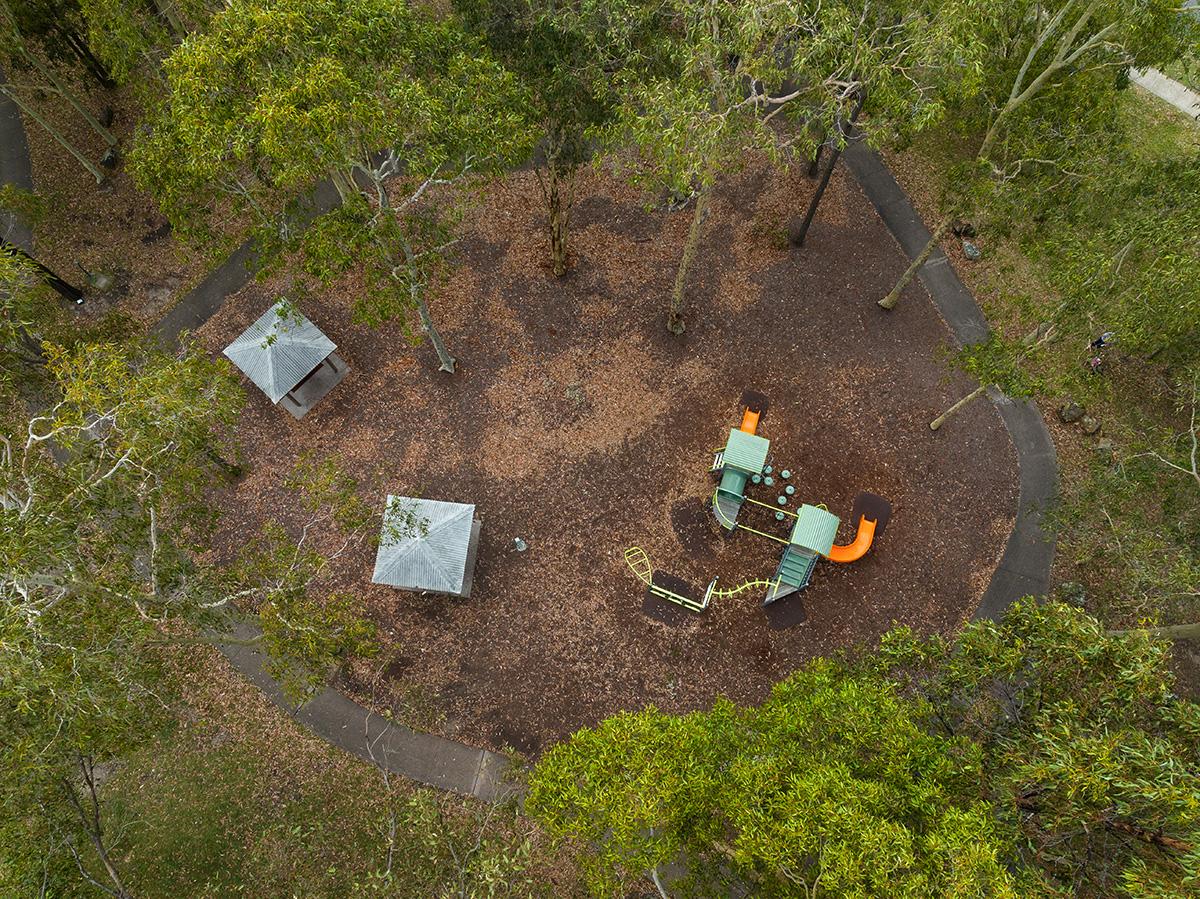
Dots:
pixel 1024 567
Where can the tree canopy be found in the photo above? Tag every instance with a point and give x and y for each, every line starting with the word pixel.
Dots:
pixel 383 99
pixel 1020 758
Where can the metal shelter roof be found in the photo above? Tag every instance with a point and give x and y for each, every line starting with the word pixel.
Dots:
pixel 431 556
pixel 279 350
pixel 746 452
pixel 815 529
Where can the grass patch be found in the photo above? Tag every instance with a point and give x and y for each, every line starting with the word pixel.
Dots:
pixel 238 800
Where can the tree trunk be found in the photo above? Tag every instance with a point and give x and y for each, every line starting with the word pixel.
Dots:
pixel 815 165
pixel 559 209
pixel 675 312
pixel 69 95
pixel 84 54
pixel 166 9
pixel 973 395
pixel 1168 632
pixel 90 820
pixel 344 184
pixel 434 337
pixel 797 233
pixel 889 302
pixel 62 141
pixel 63 288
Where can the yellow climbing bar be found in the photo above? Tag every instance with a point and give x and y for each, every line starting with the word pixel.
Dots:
pixel 740 588
pixel 639 563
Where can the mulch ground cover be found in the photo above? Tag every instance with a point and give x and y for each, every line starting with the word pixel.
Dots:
pixel 577 423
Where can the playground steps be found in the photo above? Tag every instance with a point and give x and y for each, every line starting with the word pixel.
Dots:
pixel 796 567
pixel 793 574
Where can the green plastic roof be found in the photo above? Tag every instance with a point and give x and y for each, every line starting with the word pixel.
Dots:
pixel 746 452
pixel 815 529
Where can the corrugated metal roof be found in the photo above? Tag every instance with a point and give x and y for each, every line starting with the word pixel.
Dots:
pixel 746 452
pixel 279 350
pixel 431 556
pixel 815 529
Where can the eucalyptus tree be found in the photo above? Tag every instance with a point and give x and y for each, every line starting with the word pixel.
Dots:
pixel 569 89
pixel 30 75
pixel 833 787
pixel 93 538
pixel 106 516
pixel 1033 56
pixel 1037 756
pixel 699 84
pixel 400 110
pixel 61 32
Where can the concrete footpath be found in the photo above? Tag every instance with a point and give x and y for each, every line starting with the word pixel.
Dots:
pixel 425 758
pixel 1178 95
pixel 1024 567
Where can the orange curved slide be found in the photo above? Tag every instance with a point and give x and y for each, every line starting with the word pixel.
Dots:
pixel 749 421
pixel 852 552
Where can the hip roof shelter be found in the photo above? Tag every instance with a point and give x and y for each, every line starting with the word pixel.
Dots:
pixel 288 358
pixel 427 545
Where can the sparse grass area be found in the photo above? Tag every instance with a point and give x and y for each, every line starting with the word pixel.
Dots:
pixel 1128 527
pixel 239 800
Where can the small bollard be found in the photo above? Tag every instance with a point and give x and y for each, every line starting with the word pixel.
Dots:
pixel 769 481
pixel 756 478
pixel 785 474
pixel 783 500
pixel 789 489
pixel 779 516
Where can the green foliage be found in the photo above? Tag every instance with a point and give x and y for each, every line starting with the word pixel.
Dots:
pixel 1022 758
pixel 279 573
pixel 101 497
pixel 1138 269
pixel 832 782
pixel 28 313
pixel 382 98
pixel 682 73
pixel 996 362
pixel 1088 754
pixel 235 799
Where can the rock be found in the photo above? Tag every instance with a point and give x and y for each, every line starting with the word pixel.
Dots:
pixel 1090 425
pixel 971 251
pixel 1105 450
pixel 1069 413
pixel 106 116
pixel 99 280
pixel 963 229
pixel 1073 594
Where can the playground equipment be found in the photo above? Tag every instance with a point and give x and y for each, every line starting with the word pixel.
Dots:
pixel 741 465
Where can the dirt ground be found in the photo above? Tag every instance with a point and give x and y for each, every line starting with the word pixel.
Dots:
pixel 113 229
pixel 577 423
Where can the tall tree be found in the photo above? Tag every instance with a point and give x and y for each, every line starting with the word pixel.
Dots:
pixel 1089 753
pixel 699 84
pixel 1032 55
pixel 832 787
pixel 390 104
pixel 1037 756
pixel 92 543
pixel 105 507
pixel 570 93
